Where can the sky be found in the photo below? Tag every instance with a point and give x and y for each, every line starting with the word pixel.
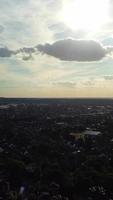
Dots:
pixel 60 48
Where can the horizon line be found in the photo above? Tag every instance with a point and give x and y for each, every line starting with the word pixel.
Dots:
pixel 56 97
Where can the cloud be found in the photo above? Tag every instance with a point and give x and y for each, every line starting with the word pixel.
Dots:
pixel 27 50
pixel 67 84
pixel 26 53
pixel 5 52
pixel 110 49
pixel 26 58
pixel 66 50
pixel 108 77
pixel 74 50
pixel 89 83
pixel 61 31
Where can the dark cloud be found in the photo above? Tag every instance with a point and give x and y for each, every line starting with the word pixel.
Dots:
pixel 67 50
pixel 5 52
pixel 28 50
pixel 26 53
pixel 26 58
pixel 74 50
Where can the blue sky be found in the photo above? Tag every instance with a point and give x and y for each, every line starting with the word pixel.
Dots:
pixel 56 48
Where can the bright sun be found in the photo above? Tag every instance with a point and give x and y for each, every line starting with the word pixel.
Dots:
pixel 85 14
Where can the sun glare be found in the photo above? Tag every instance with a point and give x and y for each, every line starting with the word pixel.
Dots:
pixel 86 14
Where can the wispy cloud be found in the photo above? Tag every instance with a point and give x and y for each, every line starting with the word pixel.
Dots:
pixel 110 77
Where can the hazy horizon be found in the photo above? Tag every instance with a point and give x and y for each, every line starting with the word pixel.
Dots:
pixel 60 97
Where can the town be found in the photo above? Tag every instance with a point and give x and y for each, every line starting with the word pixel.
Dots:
pixel 57 151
